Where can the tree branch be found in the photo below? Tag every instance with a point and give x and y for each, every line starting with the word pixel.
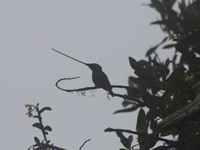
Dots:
pixel 125 97
pixel 134 132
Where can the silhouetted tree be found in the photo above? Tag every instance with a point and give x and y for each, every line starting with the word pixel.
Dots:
pixel 170 89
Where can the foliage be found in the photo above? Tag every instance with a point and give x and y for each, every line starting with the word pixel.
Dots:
pixel 167 88
pixel 45 143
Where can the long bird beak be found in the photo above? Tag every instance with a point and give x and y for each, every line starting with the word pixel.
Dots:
pixel 69 56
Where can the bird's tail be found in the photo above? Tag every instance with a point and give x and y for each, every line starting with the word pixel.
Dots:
pixel 111 93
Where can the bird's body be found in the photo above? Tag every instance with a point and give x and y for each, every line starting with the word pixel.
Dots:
pixel 99 78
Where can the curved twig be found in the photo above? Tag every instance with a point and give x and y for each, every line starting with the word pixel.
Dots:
pixel 125 97
pixel 84 143
pixel 74 90
pixel 89 88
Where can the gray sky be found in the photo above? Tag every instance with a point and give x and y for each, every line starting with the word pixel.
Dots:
pixel 94 31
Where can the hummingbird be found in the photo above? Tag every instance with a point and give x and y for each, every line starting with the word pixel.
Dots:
pixel 99 78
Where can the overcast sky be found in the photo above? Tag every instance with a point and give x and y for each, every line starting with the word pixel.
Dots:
pixel 106 32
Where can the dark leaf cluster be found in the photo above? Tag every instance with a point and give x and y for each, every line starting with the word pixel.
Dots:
pixel 170 88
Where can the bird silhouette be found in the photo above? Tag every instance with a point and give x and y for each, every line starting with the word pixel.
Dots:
pixel 99 78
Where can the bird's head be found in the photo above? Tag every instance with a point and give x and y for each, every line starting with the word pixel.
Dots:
pixel 95 67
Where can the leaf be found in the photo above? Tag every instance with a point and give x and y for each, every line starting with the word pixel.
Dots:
pixel 133 80
pixel 38 148
pixel 167 62
pixel 169 3
pixel 153 141
pixel 134 64
pixel 174 61
pixel 173 76
pixel 35 116
pixel 48 128
pixel 48 141
pixel 38 125
pixel 126 110
pixel 160 148
pixel 142 139
pixel 160 22
pixel 159 66
pixel 168 132
pixel 123 140
pixel 157 4
pixel 178 82
pixel 130 139
pixel 140 127
pixel 169 46
pixel 45 108
pixel 163 85
pixel 151 50
pixel 144 94
pixel 37 140
pixel 127 103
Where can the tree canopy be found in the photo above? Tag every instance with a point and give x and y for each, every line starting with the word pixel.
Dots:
pixel 170 88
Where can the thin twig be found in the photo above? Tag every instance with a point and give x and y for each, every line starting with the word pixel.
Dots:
pixel 84 143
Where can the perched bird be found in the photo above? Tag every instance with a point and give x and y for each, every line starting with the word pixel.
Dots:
pixel 99 78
